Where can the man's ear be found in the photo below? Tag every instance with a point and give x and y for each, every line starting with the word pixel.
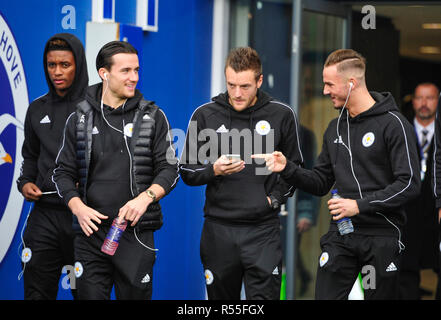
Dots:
pixel 103 73
pixel 352 83
pixel 259 81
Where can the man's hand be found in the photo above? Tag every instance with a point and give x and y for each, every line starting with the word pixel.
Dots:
pixel 340 208
pixel 439 215
pixel 275 162
pixel 223 166
pixel 135 208
pixel 86 215
pixel 31 192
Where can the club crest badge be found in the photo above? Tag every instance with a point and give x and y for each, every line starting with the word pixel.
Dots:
pixel 78 269
pixel 263 127
pixel 208 277
pixel 128 130
pixel 368 139
pixel 323 259
pixel 26 255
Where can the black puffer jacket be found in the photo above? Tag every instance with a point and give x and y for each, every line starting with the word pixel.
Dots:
pixel 98 158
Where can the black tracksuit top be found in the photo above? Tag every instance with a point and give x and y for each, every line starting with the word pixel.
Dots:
pixel 240 198
pixel 44 125
pixel 374 161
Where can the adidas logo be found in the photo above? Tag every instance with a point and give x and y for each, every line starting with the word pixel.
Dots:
pixel 146 279
pixel 95 130
pixel 45 119
pixel 146 117
pixel 222 129
pixel 391 267
pixel 276 271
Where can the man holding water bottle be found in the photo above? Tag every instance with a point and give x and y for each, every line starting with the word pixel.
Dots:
pixel 116 162
pixel 369 156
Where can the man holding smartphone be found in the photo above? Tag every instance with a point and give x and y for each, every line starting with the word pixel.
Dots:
pixel 240 239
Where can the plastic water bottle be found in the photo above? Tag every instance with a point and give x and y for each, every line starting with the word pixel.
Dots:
pixel 113 236
pixel 344 224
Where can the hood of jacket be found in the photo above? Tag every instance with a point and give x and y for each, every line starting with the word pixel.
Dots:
pixel 262 99
pixel 81 81
pixel 247 114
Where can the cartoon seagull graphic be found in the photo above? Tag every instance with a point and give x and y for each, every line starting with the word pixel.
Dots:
pixel 5 120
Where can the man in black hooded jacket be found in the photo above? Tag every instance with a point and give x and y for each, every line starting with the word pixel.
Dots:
pixel 116 162
pixel 48 238
pixel 240 240
pixel 369 155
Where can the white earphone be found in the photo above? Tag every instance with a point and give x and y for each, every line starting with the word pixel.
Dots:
pixel 351 84
pixel 105 75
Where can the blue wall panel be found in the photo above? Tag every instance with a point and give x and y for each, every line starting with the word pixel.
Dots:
pixel 32 23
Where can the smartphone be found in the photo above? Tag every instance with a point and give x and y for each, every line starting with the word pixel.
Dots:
pixel 233 157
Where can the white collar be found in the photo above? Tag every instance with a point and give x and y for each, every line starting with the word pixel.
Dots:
pixel 419 127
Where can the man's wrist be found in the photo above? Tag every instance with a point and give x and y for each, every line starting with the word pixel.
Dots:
pixel 75 204
pixel 275 203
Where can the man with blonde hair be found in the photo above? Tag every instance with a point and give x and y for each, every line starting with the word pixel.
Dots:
pixel 369 155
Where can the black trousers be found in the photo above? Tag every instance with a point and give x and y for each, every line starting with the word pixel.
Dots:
pixel 409 285
pixel 232 254
pixel 344 257
pixel 49 237
pixel 130 269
